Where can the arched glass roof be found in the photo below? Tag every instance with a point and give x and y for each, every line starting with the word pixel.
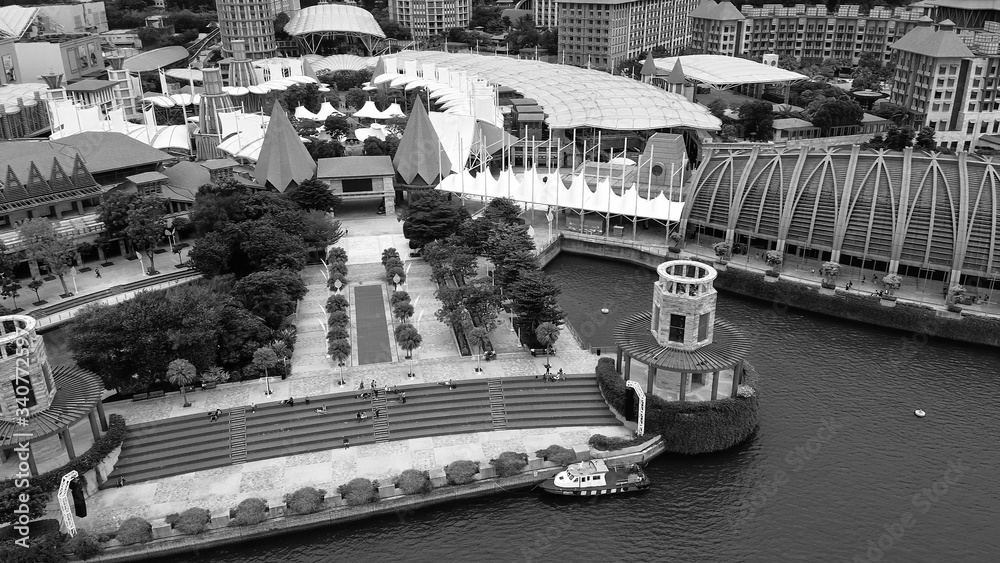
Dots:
pixel 575 97
pixel 334 18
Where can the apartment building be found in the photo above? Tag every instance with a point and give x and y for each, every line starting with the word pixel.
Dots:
pixel 425 18
pixel 949 81
pixel 603 33
pixel 800 31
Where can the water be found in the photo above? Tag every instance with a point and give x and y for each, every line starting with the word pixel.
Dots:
pixel 833 506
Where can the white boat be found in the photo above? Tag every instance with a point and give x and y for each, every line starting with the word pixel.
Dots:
pixel 596 477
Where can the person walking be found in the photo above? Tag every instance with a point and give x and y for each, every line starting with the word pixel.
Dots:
pixel 98 272
pixel 253 408
pixel 373 384
pixel 347 443
pixel 402 397
pixel 362 386
pixel 121 482
pixel 215 417
pixel 376 413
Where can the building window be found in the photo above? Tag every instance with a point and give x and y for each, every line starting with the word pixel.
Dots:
pixel 25 394
pixel 970 128
pixel 677 323
pixel 703 326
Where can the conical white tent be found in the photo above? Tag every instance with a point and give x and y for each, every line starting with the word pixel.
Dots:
pixel 302 113
pixel 369 111
pixel 326 110
pixel 393 111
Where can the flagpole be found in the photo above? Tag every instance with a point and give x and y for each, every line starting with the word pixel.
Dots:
pixel 649 173
pixel 582 194
pixel 599 152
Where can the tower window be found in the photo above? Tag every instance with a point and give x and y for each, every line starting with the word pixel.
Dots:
pixel 677 323
pixel 703 326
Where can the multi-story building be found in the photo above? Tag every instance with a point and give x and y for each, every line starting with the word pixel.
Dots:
pixel 74 56
pixel 285 7
pixel 87 17
pixel 250 20
pixel 800 32
pixel 967 14
pixel 603 33
pixel 425 18
pixel 546 13
pixel 949 82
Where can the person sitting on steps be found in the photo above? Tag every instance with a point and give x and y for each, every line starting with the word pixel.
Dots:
pixel 321 410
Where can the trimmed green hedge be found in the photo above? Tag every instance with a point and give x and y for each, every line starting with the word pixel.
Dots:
pixel 609 443
pixel 249 512
pixel 461 472
pixel 134 530
pixel 192 521
pixel 305 500
pixel 509 464
pixel 413 482
pixel 557 454
pixel 689 427
pixel 861 307
pixel 84 545
pixel 359 491
pixel 41 487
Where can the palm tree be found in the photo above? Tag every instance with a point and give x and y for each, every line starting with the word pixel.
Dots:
pixel 283 352
pixel 479 337
pixel 547 334
pixel 339 350
pixel 409 340
pixel 264 358
pixel 182 373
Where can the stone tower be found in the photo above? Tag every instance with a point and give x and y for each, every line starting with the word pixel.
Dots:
pixel 25 376
pixel 251 21
pixel 684 305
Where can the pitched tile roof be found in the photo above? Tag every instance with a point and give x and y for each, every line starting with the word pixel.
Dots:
pixel 32 180
pixel 355 167
pixel 938 44
pixel 106 152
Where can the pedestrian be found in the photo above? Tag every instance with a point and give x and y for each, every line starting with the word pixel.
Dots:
pixel 121 482
pixel 218 412
pixel 362 386
pixel 376 413
pixel 347 443
pixel 253 408
pixel 385 390
pixel 402 397
pixel 98 272
pixel 359 417
pixel 373 384
pixel 307 400
pixel 874 278
pixel 814 271
pixel 215 417
pixel 863 280
pixel 321 410
pixel 451 385
pixel 291 402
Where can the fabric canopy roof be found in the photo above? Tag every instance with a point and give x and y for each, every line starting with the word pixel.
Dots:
pixel 725 72
pixel 334 18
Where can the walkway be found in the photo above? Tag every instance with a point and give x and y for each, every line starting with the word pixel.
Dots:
pixel 373 337
pixel 174 446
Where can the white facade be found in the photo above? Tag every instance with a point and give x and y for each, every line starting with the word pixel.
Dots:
pixel 425 18
pixel 546 13
pixel 89 17
pixel 285 7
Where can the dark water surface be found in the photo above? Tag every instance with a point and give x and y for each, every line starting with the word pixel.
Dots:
pixel 838 460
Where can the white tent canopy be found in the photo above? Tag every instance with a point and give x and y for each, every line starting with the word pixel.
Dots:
pixel 369 111
pixel 725 72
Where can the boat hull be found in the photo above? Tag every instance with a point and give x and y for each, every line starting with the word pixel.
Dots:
pixel 549 487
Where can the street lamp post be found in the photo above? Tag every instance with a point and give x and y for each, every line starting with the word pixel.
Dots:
pixel 338 284
pixel 395 282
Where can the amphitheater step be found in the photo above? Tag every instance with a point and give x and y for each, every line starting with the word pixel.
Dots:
pixel 238 435
pixel 380 423
pixel 498 410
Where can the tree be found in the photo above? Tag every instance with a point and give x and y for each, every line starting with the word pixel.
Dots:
pixel 432 217
pixel 402 311
pixel 896 139
pixel 925 139
pixel 306 95
pixel 269 247
pixel 479 337
pixel 10 287
pixel 113 212
pixel 374 147
pixel 211 253
pixel 503 210
pixel 834 113
pixel 524 35
pixel 547 334
pixel 774 258
pixel 325 149
pixel 271 295
pixel 182 373
pixel 536 300
pixel 409 340
pixel 146 225
pixel 265 358
pixel 355 98
pixel 718 108
pixel 47 247
pixel 34 285
pixel 320 230
pixel 337 126
pixel 758 119
pixel 314 195
pixel 722 250
pixel 895 112
pixel 339 350
pixel 892 282
pixel 829 271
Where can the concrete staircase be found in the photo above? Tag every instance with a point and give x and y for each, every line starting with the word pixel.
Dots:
pixel 175 446
pixel 238 435
pixel 498 410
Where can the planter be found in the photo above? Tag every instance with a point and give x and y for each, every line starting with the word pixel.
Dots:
pixel 674 249
pixel 890 302
pixel 209 385
pixel 952 308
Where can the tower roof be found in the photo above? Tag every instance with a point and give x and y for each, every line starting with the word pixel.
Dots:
pixel 676 75
pixel 938 44
pixel 284 161
pixel 648 67
pixel 723 11
pixel 379 69
pixel 420 158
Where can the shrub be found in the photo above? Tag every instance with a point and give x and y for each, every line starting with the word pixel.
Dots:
pixel 249 512
pixel 339 318
pixel 461 472
pixel 389 253
pixel 608 443
pixel 359 491
pixel 508 464
pixel 191 522
pixel 84 545
pixel 306 500
pixel 336 254
pixel 215 374
pixel 413 482
pixel 774 258
pixel 828 285
pixel 337 268
pixel 134 530
pixel 722 249
pixel 338 332
pixel 398 297
pixel 557 454
pixel 334 278
pixel 772 274
pixel 336 302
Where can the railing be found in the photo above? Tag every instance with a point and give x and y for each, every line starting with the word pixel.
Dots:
pixel 650 248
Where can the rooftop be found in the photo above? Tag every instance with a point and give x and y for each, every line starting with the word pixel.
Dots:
pixel 146 177
pixel 791 123
pixel 334 18
pixel 723 11
pixel 724 72
pixel 355 167
pixel 14 20
pixel 937 44
pixel 103 152
pixel 90 85
pixel 728 348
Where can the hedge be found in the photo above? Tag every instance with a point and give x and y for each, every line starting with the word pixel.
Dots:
pixel 398 297
pixel 610 443
pixel 192 521
pixel 336 302
pixel 42 485
pixel 461 472
pixel 689 427
pixel 557 454
pixel 84 545
pixel 413 482
pixel 509 464
pixel 359 491
pixel 339 318
pixel 249 512
pixel 336 254
pixel 305 500
pixel 337 268
pixel 134 530
pixel 861 307
pixel 338 332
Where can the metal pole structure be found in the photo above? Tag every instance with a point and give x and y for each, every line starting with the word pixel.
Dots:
pixel 67 514
pixel 583 175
